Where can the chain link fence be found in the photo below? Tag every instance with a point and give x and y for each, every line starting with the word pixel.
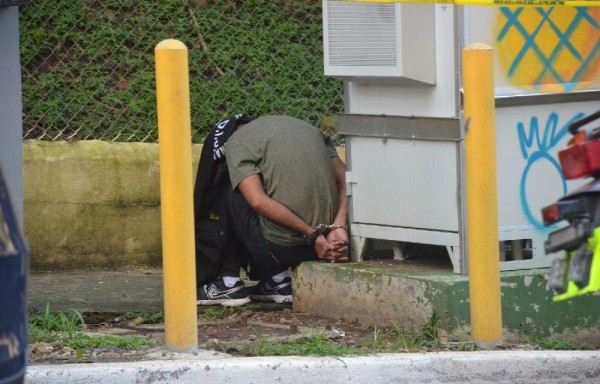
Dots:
pixel 88 66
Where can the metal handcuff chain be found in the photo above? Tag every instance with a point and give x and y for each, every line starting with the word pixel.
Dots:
pixel 321 229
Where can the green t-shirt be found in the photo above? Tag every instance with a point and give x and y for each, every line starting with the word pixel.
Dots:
pixel 294 161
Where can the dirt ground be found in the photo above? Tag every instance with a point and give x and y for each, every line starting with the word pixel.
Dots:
pixel 240 331
pixel 219 329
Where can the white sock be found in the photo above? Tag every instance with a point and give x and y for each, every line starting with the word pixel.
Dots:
pixel 230 280
pixel 278 278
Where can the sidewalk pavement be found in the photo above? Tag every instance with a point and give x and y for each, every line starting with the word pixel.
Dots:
pixel 97 291
pixel 449 367
pixel 137 290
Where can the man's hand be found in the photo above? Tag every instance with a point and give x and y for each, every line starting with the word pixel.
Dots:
pixel 338 244
pixel 337 234
pixel 333 250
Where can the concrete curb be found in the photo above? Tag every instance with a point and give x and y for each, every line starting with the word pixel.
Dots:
pixel 446 367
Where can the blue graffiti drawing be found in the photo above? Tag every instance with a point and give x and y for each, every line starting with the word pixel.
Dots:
pixel 551 137
pixel 548 59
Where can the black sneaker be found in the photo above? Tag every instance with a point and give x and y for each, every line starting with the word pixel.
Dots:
pixel 269 290
pixel 217 293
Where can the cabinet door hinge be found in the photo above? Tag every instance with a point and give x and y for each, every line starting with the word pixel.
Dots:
pixel 350 179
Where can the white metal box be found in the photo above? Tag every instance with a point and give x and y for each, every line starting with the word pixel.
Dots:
pixel 380 42
pixel 405 141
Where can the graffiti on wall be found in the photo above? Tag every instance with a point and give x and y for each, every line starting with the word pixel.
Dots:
pixel 536 145
pixel 550 49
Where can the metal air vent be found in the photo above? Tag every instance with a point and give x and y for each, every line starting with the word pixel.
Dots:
pixel 379 42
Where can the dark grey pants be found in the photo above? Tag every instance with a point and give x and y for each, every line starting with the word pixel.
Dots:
pixel 266 258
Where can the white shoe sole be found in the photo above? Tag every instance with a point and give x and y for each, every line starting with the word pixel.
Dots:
pixel 279 299
pixel 225 302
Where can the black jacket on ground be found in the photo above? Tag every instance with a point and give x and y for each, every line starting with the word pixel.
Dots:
pixel 214 237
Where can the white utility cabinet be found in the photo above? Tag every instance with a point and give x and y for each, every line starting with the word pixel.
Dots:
pixel 404 126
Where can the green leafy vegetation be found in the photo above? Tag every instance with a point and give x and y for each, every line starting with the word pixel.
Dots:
pixel 526 335
pixel 424 337
pixel 558 344
pixel 223 312
pixel 393 339
pixel 49 322
pixel 310 346
pixel 64 330
pixel 83 341
pixel 88 66
pixel 149 317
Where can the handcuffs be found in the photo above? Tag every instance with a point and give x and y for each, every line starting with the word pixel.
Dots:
pixel 321 229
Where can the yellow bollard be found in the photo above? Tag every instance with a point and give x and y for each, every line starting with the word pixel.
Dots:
pixel 176 194
pixel 482 195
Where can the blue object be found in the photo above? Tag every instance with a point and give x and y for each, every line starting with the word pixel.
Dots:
pixel 14 264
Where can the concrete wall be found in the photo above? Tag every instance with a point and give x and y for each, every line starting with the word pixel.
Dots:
pixel 11 126
pixel 407 294
pixel 93 204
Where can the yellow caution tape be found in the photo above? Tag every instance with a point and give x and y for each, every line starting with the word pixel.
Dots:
pixel 498 3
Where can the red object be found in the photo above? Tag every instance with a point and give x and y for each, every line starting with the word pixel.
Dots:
pixel 580 160
pixel 551 214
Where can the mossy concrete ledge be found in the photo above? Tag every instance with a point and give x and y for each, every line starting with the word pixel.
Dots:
pixel 407 294
pixel 92 204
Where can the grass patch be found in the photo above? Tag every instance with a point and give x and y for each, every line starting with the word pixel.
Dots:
pixel 64 330
pixel 59 322
pixel 393 339
pixel 310 346
pixel 402 339
pixel 527 335
pixel 149 317
pixel 558 344
pixel 81 340
pixel 224 312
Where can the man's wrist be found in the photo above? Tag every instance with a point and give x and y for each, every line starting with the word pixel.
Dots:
pixel 321 229
pixel 312 237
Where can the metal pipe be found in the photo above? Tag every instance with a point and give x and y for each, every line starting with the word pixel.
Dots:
pixel 175 155
pixel 482 195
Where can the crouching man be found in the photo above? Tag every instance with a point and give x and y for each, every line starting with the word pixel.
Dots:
pixel 287 203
